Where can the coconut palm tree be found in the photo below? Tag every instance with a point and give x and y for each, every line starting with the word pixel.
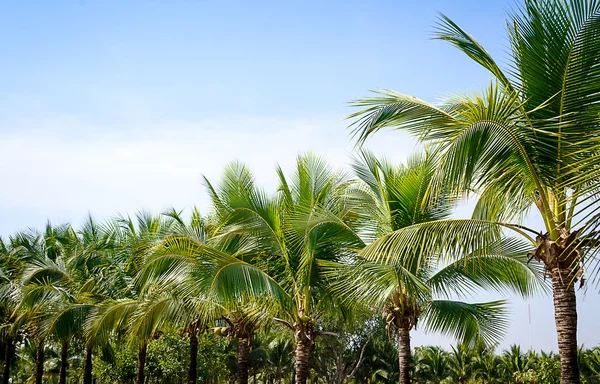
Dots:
pixel 11 268
pixel 419 288
pixel 515 363
pixel 488 366
pixel 70 286
pixel 461 362
pixel 431 366
pixel 529 141
pixel 288 238
pixel 189 267
pixel 591 364
pixel 38 248
pixel 130 309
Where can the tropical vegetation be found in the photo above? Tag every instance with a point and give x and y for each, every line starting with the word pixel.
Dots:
pixel 527 142
pixel 324 279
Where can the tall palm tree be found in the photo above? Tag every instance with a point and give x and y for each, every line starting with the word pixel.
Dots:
pixel 530 141
pixel 288 238
pixel 38 247
pixel 132 310
pixel 11 268
pixel 418 288
pixel 189 266
pixel 71 286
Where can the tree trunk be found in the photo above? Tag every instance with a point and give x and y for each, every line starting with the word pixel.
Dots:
pixel 141 363
pixel 87 365
pixel 193 369
pixel 64 362
pixel 565 316
pixel 242 360
pixel 302 354
pixel 8 352
pixel 39 361
pixel 404 355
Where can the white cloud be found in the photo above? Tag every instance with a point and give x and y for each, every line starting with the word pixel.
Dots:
pixel 74 166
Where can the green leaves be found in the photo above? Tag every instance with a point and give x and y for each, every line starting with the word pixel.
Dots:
pixel 530 139
pixel 395 110
pixel 467 322
pixel 449 31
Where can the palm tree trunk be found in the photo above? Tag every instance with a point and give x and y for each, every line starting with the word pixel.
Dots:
pixel 565 316
pixel 39 361
pixel 64 362
pixel 302 354
pixel 87 365
pixel 404 355
pixel 193 369
pixel 242 360
pixel 8 352
pixel 141 363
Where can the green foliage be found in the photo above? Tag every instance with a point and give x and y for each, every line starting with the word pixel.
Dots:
pixel 168 360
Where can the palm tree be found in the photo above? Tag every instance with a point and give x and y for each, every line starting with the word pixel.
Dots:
pixel 529 141
pixel 288 238
pixel 431 365
pixel 131 309
pixel 11 268
pixel 591 365
pixel 487 367
pixel 461 362
pixel 70 286
pixel 515 363
pixel 38 248
pixel 189 267
pixel 416 288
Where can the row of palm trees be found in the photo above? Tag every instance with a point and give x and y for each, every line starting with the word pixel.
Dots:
pixel 257 261
pixel 481 365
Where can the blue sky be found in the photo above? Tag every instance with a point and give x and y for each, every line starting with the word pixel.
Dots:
pixel 110 106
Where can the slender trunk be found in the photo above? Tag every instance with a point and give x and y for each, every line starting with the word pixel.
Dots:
pixel 39 361
pixel 64 362
pixel 302 354
pixel 8 352
pixel 87 365
pixel 565 316
pixel 242 360
pixel 193 369
pixel 404 355
pixel 141 363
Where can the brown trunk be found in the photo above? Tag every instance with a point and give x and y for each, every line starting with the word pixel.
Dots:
pixel 302 354
pixel 242 360
pixel 64 362
pixel 193 369
pixel 141 363
pixel 8 352
pixel 87 366
pixel 39 362
pixel 565 316
pixel 404 355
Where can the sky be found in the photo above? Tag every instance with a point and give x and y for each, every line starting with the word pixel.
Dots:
pixel 118 106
